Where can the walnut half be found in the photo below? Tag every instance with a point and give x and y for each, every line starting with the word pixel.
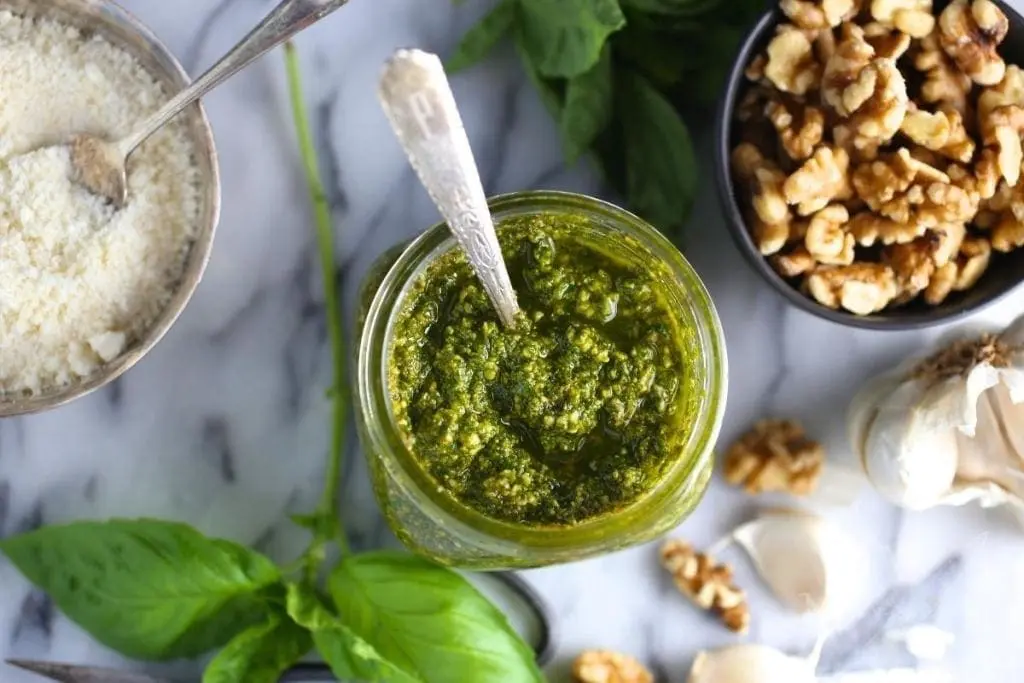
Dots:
pixel 707 584
pixel 970 34
pixel 860 288
pixel 775 455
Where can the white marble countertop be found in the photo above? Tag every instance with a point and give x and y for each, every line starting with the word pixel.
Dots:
pixel 224 425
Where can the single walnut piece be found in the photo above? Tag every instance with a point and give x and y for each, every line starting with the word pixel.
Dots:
pixel 764 180
pixel 970 34
pixel 794 263
pixel 1008 234
pixel 792 66
pixel 987 173
pixel 856 147
pixel 941 284
pixel 945 242
pixel 888 42
pixel 826 239
pixel 1003 217
pixel 775 455
pixel 603 666
pixel 913 265
pixel 913 17
pixel 851 55
pixel 800 127
pixel 943 81
pixel 818 14
pixel 755 70
pixel 943 132
pixel 971 264
pixel 860 288
pixel 1008 91
pixel 878 102
pixel 770 237
pixel 707 584
pixel 819 181
pixel 1001 129
pixel 867 228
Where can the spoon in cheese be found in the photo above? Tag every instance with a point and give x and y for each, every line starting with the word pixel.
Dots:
pixel 419 103
pixel 100 165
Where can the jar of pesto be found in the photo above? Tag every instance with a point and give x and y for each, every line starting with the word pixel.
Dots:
pixel 585 428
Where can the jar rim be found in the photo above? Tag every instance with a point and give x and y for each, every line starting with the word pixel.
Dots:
pixel 387 304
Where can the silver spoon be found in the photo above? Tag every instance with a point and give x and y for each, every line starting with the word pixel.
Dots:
pixel 100 165
pixel 421 107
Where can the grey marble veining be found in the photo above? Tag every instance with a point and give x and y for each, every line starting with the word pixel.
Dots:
pixel 224 425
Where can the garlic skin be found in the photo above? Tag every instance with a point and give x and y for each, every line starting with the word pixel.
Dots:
pixel 750 664
pixel 949 429
pixel 809 564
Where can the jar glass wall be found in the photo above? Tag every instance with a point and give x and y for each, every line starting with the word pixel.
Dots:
pixel 433 523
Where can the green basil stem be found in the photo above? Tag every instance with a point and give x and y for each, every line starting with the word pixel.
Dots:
pixel 329 507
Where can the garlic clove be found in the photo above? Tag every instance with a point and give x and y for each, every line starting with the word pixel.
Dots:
pixel 863 408
pixel 909 449
pixel 807 563
pixel 750 664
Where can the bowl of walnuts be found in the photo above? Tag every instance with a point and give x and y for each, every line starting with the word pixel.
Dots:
pixel 869 157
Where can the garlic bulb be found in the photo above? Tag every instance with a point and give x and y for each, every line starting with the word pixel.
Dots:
pixel 806 562
pixel 949 429
pixel 750 664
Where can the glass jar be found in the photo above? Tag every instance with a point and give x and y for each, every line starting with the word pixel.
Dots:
pixel 434 524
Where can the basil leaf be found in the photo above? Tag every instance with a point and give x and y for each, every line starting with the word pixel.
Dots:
pixel 588 106
pixel 564 38
pixel 482 38
pixel 550 90
pixel 348 655
pixel 429 620
pixel 260 654
pixel 661 167
pixel 148 589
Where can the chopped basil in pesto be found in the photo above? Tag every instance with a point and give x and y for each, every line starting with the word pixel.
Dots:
pixel 575 412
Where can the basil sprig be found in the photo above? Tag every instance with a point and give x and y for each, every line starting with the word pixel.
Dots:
pixel 623 78
pixel 160 590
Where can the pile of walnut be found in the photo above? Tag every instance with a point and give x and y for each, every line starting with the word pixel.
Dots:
pixel 880 149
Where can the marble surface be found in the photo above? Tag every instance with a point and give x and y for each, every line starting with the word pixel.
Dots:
pixel 224 425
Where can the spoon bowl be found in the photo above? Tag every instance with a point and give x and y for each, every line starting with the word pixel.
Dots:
pixel 99 166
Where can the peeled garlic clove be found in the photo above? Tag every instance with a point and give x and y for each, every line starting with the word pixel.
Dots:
pixel 807 563
pixel 909 449
pixel 750 664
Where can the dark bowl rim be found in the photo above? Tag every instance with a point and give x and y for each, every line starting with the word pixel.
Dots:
pixel 737 224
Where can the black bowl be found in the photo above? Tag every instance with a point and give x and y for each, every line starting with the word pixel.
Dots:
pixel 1004 273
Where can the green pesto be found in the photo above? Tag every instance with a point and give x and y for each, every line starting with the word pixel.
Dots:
pixel 575 412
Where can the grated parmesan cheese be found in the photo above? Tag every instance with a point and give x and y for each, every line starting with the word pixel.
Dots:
pixel 80 282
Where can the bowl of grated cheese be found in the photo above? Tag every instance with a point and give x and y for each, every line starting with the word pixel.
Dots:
pixel 86 290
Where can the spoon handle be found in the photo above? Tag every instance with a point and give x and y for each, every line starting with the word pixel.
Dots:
pixel 287 19
pixel 421 107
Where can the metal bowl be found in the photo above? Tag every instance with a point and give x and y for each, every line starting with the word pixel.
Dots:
pixel 1004 274
pixel 107 19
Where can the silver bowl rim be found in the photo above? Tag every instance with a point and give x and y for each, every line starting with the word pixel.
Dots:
pixel 205 150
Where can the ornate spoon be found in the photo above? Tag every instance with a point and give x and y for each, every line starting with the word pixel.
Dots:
pixel 100 165
pixel 421 107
